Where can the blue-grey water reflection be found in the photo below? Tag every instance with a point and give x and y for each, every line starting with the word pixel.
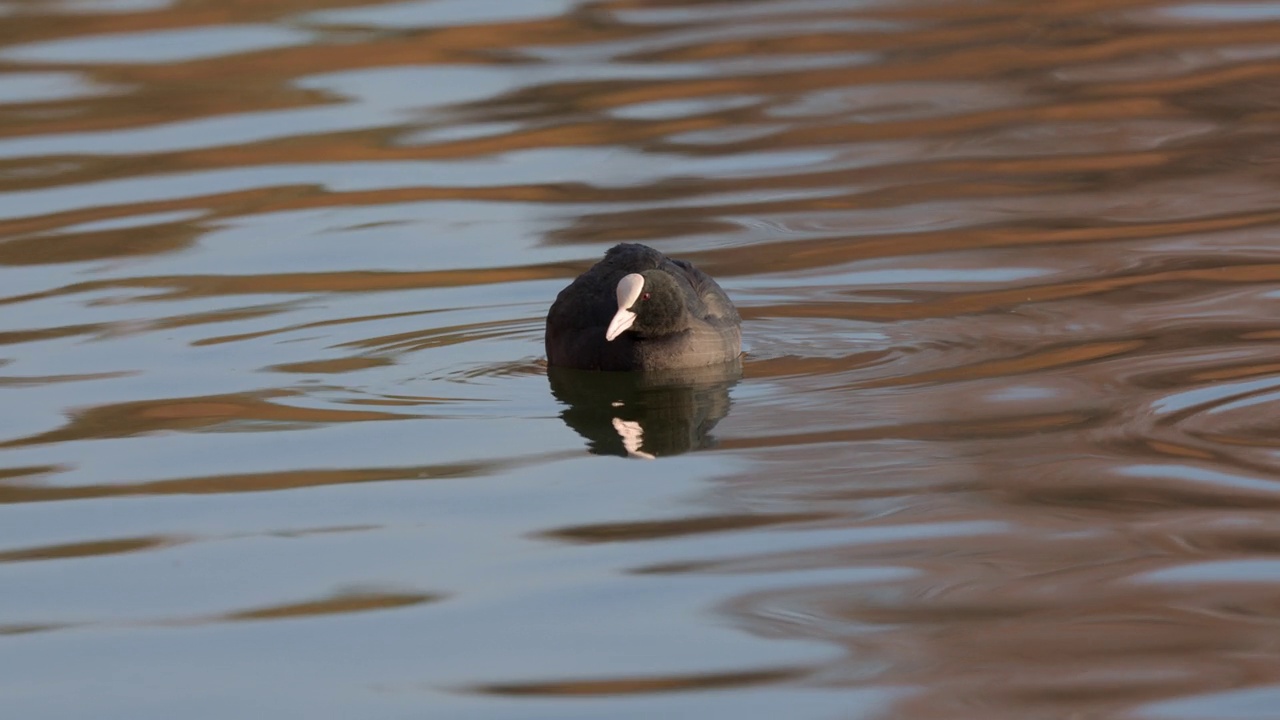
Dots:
pixel 277 437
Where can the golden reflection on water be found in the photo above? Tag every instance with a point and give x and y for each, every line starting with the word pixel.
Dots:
pixel 273 277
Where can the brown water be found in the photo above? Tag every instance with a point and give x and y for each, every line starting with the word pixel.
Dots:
pixel 277 440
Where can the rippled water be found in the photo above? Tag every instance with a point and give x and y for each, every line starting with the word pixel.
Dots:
pixel 277 439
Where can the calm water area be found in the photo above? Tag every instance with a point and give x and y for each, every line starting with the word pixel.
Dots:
pixel 278 439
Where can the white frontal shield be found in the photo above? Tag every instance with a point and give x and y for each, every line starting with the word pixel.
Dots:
pixel 629 288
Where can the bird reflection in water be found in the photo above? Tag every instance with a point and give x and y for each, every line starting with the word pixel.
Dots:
pixel 645 414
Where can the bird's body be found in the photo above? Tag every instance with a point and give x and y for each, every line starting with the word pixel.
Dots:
pixel 638 309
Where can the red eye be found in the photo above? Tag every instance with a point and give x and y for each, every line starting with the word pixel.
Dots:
pixel 644 296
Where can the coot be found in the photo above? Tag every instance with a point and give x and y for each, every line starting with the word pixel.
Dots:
pixel 638 309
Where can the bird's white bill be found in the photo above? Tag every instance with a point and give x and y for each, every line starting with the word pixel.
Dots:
pixel 619 324
pixel 629 288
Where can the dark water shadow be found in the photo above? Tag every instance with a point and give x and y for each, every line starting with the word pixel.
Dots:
pixel 648 415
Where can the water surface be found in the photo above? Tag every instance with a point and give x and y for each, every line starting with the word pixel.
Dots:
pixel 278 439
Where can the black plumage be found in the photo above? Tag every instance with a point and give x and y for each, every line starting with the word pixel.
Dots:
pixel 682 318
